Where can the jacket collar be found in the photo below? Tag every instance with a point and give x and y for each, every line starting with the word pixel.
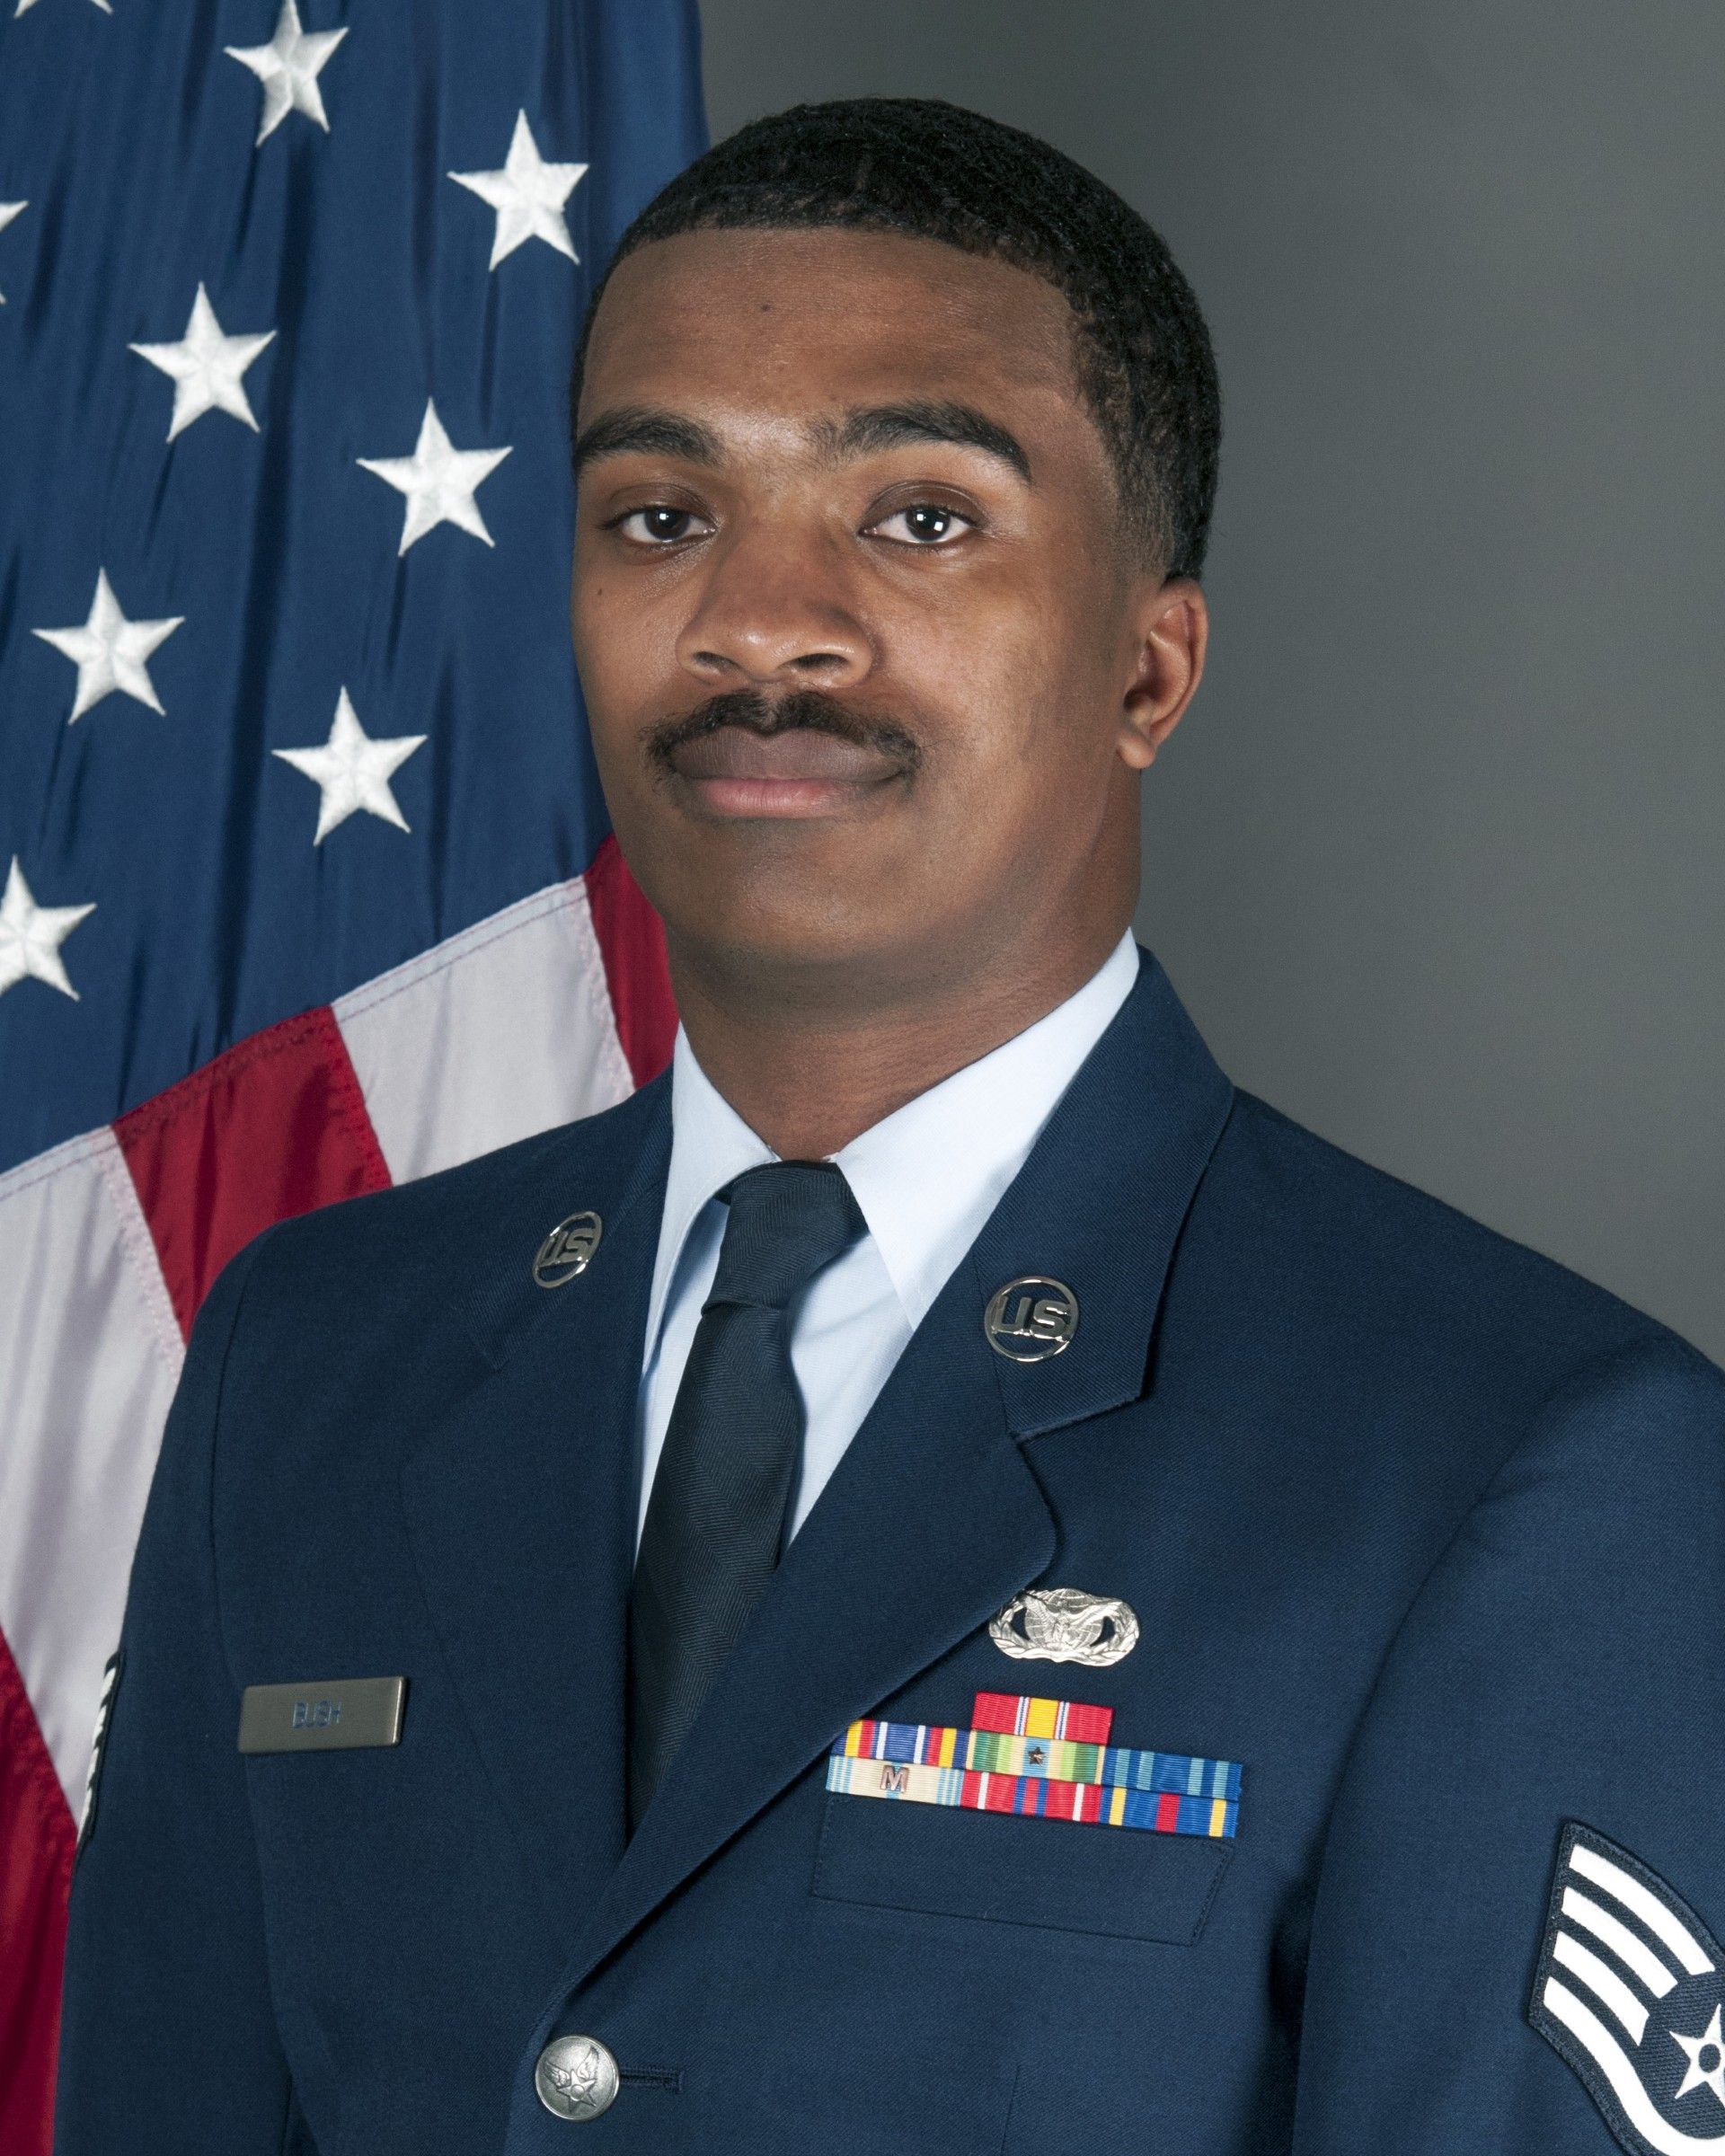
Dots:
pixel 1101 1203
pixel 926 1177
pixel 522 1504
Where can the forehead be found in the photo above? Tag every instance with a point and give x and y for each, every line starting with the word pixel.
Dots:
pixel 800 322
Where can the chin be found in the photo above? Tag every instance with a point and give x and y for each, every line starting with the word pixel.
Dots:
pixel 808 938
pixel 801 940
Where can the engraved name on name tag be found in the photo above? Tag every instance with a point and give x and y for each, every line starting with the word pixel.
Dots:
pixel 333 1715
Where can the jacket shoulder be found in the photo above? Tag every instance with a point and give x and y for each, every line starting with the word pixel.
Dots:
pixel 361 1267
pixel 1366 1255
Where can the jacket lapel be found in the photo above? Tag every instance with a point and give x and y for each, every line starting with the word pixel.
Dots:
pixel 933 1518
pixel 521 1502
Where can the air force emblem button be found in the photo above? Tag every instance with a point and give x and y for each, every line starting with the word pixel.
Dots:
pixel 1064 1624
pixel 1629 1992
pixel 577 2077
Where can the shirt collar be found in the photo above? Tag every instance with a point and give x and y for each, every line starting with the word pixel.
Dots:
pixel 925 1177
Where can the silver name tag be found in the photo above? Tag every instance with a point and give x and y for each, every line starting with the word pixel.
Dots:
pixel 335 1715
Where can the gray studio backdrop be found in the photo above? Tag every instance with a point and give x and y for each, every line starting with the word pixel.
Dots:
pixel 1435 858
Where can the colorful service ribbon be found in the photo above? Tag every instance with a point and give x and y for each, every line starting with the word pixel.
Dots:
pixel 1042 1759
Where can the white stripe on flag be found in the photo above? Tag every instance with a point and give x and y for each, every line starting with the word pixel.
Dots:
pixel 89 1358
pixel 496 1035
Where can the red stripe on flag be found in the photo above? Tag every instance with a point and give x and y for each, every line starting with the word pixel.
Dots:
pixel 37 1839
pixel 632 942
pixel 274 1127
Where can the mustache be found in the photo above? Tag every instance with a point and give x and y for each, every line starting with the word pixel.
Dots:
pixel 807 711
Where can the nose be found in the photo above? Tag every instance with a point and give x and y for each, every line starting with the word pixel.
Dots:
pixel 774 610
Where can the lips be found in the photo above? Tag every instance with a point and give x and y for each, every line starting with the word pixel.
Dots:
pixel 736 772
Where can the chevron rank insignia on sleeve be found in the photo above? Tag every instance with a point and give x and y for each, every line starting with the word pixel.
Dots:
pixel 1630 1991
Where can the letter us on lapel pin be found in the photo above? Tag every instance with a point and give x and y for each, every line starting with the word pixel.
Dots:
pixel 568 1250
pixel 1064 1624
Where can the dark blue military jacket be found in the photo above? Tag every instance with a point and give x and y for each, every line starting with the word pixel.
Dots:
pixel 1421 1532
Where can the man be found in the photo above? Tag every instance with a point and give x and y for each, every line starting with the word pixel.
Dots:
pixel 940 1580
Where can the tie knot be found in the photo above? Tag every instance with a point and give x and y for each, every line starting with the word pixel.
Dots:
pixel 788 1222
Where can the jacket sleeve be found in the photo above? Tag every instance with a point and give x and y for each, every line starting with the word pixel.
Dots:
pixel 1560 1675
pixel 168 2044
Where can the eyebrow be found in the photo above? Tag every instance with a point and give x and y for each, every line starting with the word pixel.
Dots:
pixel 641 430
pixel 892 425
pixel 645 431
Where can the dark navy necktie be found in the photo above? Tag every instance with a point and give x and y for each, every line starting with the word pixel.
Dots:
pixel 717 1512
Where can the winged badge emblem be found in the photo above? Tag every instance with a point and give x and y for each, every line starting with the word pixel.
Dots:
pixel 1630 1991
pixel 1064 1624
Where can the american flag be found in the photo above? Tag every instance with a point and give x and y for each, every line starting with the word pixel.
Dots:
pixel 305 881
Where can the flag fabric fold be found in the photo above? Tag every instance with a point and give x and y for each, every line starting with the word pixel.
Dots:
pixel 305 880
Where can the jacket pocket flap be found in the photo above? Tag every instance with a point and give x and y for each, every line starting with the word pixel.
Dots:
pixel 1117 1882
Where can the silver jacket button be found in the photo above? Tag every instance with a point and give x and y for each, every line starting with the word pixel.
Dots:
pixel 576 2077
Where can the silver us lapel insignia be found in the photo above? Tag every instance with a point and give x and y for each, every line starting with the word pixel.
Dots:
pixel 568 1250
pixel 1064 1624
pixel 1629 1992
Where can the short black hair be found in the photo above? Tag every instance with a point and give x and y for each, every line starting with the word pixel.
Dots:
pixel 934 171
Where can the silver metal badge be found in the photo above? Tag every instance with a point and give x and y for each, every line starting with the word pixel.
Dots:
pixel 1064 1624
pixel 568 1250
pixel 576 2077
pixel 345 1714
pixel 1031 1319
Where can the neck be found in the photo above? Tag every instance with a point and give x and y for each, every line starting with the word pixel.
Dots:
pixel 811 1062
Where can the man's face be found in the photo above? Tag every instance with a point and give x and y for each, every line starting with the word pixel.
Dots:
pixel 855 623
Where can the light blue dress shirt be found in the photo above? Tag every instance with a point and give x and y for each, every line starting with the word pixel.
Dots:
pixel 925 1178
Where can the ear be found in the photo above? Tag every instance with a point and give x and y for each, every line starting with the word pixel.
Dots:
pixel 1171 628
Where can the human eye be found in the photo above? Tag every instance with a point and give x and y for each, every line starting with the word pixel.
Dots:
pixel 658 523
pixel 922 524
